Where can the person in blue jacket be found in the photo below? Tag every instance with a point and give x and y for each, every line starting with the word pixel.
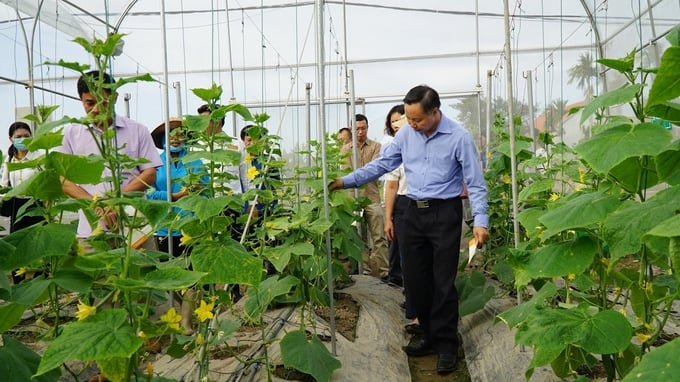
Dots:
pixel 186 177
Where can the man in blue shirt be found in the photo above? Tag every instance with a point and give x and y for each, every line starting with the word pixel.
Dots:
pixel 439 157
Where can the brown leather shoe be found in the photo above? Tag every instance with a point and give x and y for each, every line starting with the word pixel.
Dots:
pixel 446 363
pixel 418 347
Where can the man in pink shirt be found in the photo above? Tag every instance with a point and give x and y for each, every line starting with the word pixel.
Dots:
pixel 131 138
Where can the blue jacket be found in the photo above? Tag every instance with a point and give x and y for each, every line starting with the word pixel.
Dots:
pixel 179 173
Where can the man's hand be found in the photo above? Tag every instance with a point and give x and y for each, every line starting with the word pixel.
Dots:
pixel 481 235
pixel 389 229
pixel 337 184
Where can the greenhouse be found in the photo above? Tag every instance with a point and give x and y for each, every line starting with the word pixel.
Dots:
pixel 172 203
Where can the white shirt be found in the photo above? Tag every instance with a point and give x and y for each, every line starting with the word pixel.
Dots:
pixel 17 177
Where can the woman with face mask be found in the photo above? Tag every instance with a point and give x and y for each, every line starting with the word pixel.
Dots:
pixel 18 152
pixel 186 177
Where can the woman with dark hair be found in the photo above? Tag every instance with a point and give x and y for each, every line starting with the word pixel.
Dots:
pixel 396 202
pixel 18 153
pixel 395 119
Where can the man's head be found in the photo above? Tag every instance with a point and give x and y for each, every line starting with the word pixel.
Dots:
pixel 205 110
pixel 245 137
pixel 89 99
pixel 344 135
pixel 421 105
pixel 362 128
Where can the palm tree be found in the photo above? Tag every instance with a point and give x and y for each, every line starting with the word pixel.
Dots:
pixel 554 115
pixel 583 73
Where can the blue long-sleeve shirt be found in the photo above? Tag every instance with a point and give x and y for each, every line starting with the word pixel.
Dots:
pixel 179 173
pixel 435 166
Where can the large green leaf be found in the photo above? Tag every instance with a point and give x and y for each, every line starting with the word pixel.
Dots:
pixel 172 278
pixel 280 256
pixel 666 85
pixel 227 263
pixel 46 141
pixel 153 210
pixel 520 313
pixel 539 186
pixel 44 185
pixel 203 207
pixel 77 169
pixel 30 292
pixel 660 364
pixel 667 228
pixel 668 164
pixel 611 147
pixel 583 211
pixel 529 219
pixel 308 356
pixel 260 296
pixel 562 259
pixel 604 332
pixel 473 292
pixel 105 335
pixel 37 242
pixel 667 111
pixel 18 363
pixel 72 280
pixel 10 315
pixel 625 227
pixel 635 174
pixel 619 96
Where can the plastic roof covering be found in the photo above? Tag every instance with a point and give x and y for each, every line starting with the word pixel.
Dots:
pixel 270 46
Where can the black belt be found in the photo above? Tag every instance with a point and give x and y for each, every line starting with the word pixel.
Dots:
pixel 427 203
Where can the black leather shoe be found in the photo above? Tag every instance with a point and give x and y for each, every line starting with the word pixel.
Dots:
pixel 446 363
pixel 418 347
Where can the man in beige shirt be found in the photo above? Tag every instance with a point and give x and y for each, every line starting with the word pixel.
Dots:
pixel 375 261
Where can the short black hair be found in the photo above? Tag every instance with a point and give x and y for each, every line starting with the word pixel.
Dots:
pixel 94 76
pixel 347 129
pixel 244 131
pixel 205 108
pixel 427 97
pixel 361 117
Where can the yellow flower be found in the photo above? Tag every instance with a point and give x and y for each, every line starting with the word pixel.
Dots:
pixel 199 339
pixel 554 197
pixel 85 311
pixel 141 334
pixel 149 368
pixel 571 276
pixel 605 261
pixel 506 179
pixel 81 250
pixel 20 271
pixel 269 225
pixel 95 196
pixel 252 173
pixel 642 337
pixel 578 188
pixel 248 158
pixel 581 176
pixel 204 312
pixel 185 239
pixel 172 318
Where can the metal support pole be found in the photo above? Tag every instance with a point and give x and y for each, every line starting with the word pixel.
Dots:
pixel 320 75
pixel 308 121
pixel 511 131
pixel 489 116
pixel 126 101
pixel 355 149
pixel 530 99
pixel 166 111
pixel 178 95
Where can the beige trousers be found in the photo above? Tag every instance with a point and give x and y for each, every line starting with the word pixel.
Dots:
pixel 376 261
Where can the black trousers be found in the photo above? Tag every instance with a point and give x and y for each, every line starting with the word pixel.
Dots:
pixel 430 240
pixel 400 204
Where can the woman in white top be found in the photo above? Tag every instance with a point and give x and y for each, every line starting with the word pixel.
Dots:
pixel 18 153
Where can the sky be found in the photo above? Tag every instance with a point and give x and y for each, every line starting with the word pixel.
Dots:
pixel 264 52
